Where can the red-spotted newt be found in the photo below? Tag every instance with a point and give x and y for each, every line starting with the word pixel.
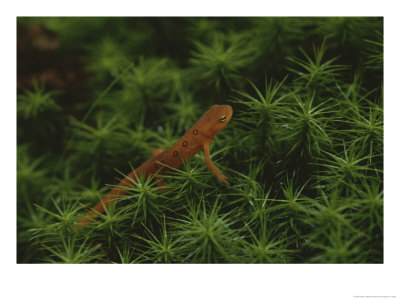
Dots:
pixel 198 138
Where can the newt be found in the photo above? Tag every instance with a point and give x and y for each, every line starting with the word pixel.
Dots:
pixel 197 138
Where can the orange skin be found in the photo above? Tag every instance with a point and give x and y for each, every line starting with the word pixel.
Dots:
pixel 198 137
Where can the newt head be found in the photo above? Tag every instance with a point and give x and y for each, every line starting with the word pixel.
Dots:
pixel 215 119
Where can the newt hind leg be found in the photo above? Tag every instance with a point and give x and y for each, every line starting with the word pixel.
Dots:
pixel 160 182
pixel 157 151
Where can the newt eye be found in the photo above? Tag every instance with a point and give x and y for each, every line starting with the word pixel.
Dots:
pixel 223 118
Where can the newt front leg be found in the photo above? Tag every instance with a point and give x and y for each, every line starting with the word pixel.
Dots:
pixel 211 166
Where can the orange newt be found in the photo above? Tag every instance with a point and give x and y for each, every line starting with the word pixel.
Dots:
pixel 199 137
